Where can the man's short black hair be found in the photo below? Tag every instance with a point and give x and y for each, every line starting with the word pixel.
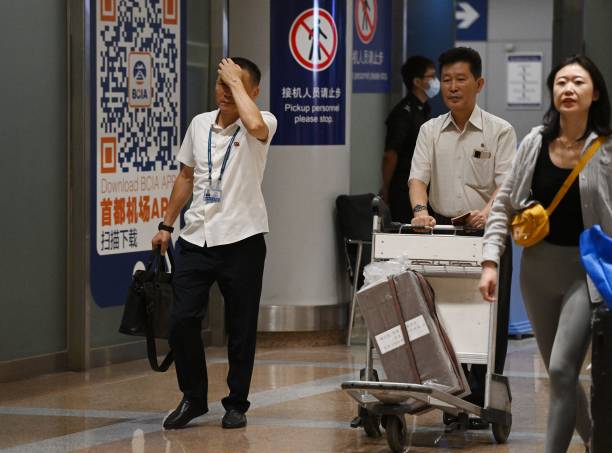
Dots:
pixel 462 55
pixel 415 67
pixel 249 67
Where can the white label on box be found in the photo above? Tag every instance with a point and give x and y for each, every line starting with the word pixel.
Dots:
pixel 390 339
pixel 417 328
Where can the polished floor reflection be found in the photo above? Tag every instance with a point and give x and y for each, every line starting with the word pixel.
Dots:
pixel 297 406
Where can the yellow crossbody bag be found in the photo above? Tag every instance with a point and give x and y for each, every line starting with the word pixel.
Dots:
pixel 531 225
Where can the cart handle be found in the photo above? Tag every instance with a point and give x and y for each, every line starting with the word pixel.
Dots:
pixel 431 230
pixel 358 241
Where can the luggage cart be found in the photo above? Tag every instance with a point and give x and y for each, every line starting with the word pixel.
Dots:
pixel 451 264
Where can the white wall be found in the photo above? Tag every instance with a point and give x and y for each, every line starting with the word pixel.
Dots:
pixel 369 111
pixel 515 26
pixel 33 197
pixel 300 185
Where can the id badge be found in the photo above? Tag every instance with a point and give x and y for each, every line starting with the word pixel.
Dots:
pixel 212 193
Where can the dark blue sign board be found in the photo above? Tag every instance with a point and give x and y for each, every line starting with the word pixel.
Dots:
pixel 308 71
pixel 430 30
pixel 371 46
pixel 471 18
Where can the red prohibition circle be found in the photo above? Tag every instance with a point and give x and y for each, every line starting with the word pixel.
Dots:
pixel 300 22
pixel 365 38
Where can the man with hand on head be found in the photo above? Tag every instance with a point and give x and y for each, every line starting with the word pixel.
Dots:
pixel 223 157
pixel 462 157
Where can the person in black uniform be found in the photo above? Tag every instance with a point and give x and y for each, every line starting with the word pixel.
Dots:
pixel 403 124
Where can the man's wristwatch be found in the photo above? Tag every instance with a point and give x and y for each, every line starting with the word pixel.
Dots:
pixel 419 208
pixel 164 227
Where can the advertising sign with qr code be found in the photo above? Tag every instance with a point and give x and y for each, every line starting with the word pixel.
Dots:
pixel 137 115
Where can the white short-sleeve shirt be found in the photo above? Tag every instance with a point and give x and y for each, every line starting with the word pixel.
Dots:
pixel 242 210
pixel 463 167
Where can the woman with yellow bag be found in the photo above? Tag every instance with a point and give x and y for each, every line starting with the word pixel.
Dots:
pixel 560 184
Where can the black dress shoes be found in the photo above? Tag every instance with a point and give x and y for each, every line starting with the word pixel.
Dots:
pixel 187 410
pixel 454 423
pixel 478 423
pixel 233 419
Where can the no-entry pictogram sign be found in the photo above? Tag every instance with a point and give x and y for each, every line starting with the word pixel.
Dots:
pixel 313 39
pixel 308 59
pixel 366 18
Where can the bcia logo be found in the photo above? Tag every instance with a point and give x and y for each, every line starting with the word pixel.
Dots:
pixel 139 85
pixel 140 72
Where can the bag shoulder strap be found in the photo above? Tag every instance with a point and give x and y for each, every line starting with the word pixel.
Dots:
pixel 152 348
pixel 152 355
pixel 149 329
pixel 574 174
pixel 161 261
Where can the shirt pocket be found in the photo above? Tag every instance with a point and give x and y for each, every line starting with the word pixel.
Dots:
pixel 478 171
pixel 200 154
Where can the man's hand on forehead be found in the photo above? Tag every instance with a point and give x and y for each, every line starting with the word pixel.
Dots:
pixel 229 72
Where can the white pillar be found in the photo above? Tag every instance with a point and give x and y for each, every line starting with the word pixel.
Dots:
pixel 304 280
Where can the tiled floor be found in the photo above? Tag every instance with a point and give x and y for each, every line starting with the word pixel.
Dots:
pixel 297 406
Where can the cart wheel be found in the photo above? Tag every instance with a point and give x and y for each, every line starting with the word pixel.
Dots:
pixel 371 424
pixel 447 419
pixel 501 432
pixel 383 421
pixel 396 433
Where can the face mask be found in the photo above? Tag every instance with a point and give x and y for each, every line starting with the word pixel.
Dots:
pixel 434 88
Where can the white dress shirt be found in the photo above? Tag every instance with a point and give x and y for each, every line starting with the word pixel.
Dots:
pixel 241 213
pixel 463 167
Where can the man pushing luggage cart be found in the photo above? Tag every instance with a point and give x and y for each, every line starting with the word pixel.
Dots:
pixel 467 327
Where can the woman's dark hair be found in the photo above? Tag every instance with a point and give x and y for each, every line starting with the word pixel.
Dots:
pixel 599 112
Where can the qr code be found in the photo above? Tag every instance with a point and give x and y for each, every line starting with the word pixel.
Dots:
pixel 138 82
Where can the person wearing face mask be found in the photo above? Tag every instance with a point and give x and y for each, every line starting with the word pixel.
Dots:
pixel 555 287
pixel 403 124
pixel 460 160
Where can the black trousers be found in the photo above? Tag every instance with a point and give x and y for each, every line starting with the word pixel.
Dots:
pixel 476 375
pixel 399 202
pixel 238 269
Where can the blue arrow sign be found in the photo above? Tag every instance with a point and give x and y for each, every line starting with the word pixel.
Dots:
pixel 471 20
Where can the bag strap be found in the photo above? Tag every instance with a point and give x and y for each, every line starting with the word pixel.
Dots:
pixel 151 259
pixel 400 315
pixel 430 297
pixel 149 329
pixel 152 353
pixel 428 292
pixel 574 174
pixel 161 261
pixel 152 347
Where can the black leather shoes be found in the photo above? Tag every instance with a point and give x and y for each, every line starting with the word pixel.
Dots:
pixel 478 423
pixel 186 411
pixel 474 423
pixel 233 419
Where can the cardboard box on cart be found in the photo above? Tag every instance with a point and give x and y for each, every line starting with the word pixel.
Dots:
pixel 413 346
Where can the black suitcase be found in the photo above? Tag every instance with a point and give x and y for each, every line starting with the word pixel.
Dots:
pixel 601 388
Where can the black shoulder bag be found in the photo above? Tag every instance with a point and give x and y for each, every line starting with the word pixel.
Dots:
pixel 147 307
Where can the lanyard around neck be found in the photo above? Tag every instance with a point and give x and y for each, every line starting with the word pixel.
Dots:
pixel 225 158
